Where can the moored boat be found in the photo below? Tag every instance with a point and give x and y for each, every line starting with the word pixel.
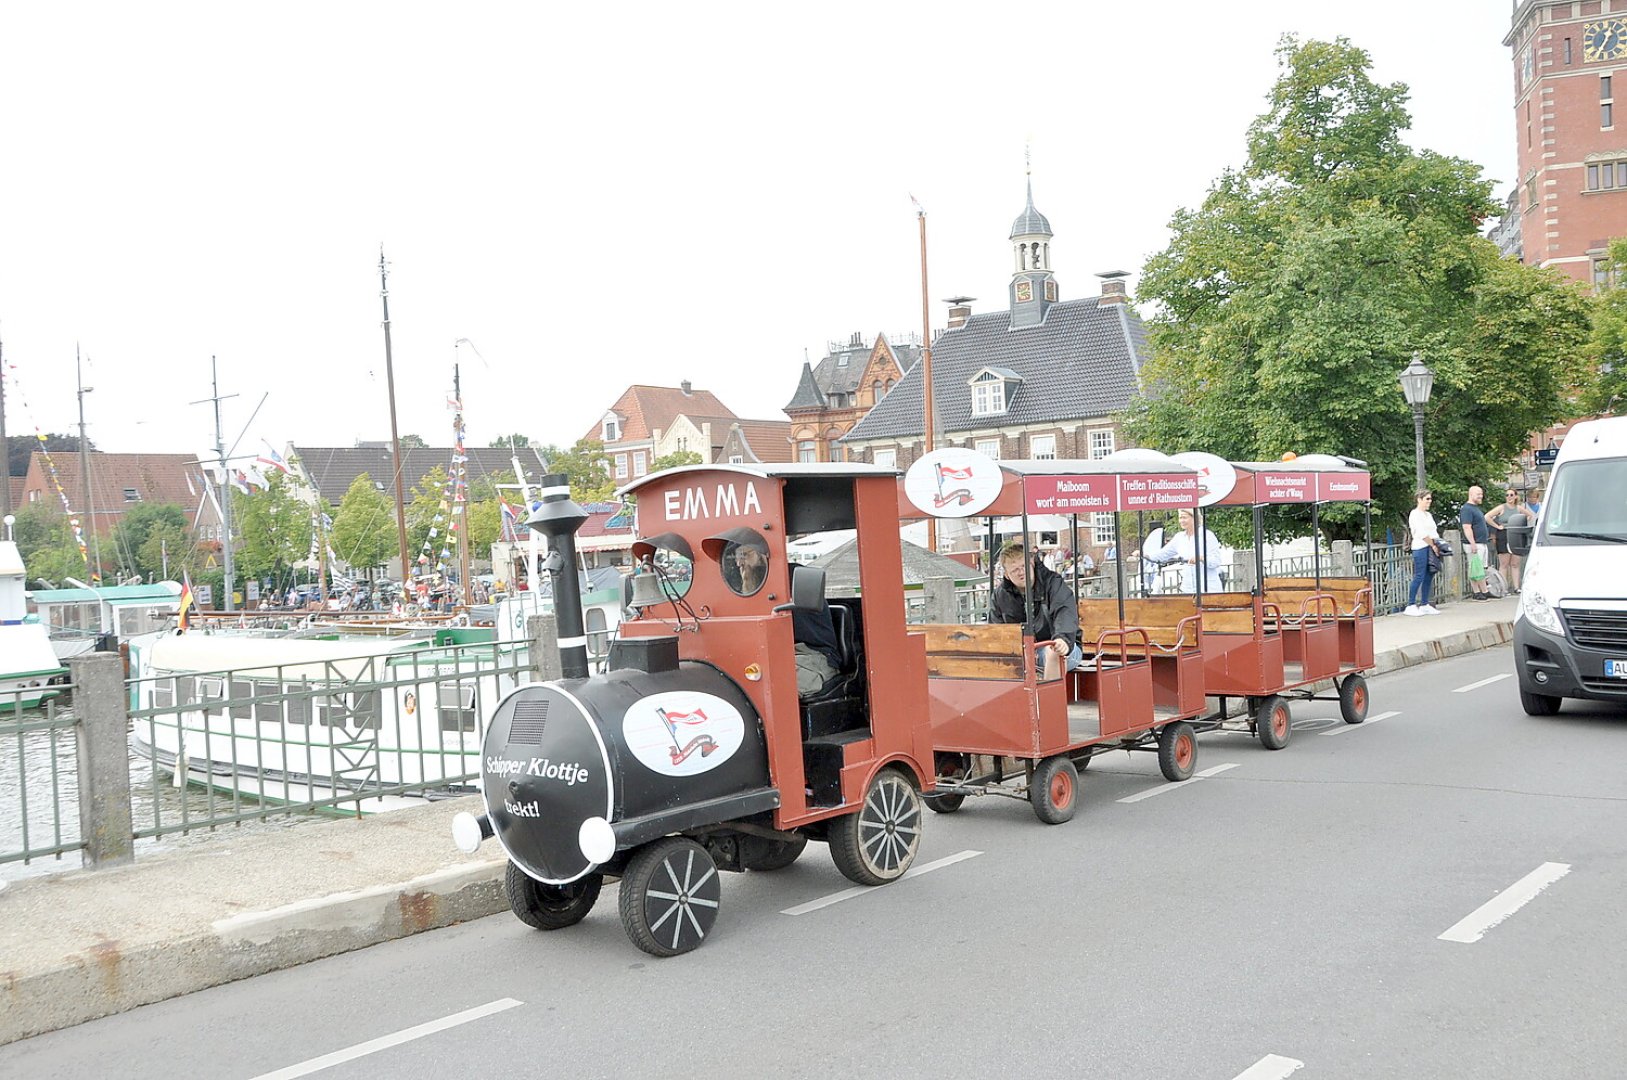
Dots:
pixel 29 669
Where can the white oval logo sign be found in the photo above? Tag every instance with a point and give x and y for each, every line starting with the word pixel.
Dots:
pixel 1216 477
pixel 953 482
pixel 680 733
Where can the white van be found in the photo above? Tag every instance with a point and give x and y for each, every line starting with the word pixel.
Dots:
pixel 1570 636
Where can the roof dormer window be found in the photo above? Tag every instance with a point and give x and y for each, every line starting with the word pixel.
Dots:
pixel 992 390
pixel 611 429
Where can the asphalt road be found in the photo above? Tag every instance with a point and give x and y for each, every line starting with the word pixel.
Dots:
pixel 1329 910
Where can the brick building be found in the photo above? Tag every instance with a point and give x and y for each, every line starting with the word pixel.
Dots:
pixel 834 395
pixel 1041 378
pixel 1567 57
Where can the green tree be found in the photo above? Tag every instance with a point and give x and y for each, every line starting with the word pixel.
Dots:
pixel 586 467
pixel 426 511
pixel 275 527
pixel 136 525
pixel 516 441
pixel 485 523
pixel 413 442
pixel 1289 301
pixel 1602 386
pixel 167 550
pixel 46 543
pixel 675 459
pixel 364 528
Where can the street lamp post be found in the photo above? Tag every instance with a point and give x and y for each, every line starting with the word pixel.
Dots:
pixel 1416 383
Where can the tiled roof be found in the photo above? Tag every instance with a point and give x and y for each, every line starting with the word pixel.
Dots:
pixel 1082 361
pixel 153 478
pixel 770 440
pixel 646 409
pixel 17 484
pixel 835 377
pixel 333 468
pixel 841 566
pixel 807 395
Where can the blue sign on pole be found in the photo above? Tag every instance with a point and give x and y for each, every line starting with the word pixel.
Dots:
pixel 1545 458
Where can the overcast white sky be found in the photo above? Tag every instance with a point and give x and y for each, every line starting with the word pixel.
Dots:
pixel 595 194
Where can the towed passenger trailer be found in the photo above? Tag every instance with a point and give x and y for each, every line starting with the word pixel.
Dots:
pixel 999 727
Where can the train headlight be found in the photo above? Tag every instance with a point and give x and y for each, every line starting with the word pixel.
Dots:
pixel 597 840
pixel 468 831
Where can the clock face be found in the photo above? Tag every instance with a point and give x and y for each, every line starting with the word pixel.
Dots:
pixel 1604 40
pixel 1025 291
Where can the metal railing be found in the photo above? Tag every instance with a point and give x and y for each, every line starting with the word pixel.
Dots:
pixel 39 815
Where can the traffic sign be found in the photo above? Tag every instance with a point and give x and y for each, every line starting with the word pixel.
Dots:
pixel 1545 458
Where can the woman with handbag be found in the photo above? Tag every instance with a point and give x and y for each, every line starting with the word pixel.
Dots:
pixel 1426 557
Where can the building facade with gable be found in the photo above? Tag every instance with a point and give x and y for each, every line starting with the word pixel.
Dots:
pixel 709 436
pixel 1041 378
pixel 630 426
pixel 834 395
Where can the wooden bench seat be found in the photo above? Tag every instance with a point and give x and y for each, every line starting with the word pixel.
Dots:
pixel 1161 617
pixel 1352 596
pixel 973 651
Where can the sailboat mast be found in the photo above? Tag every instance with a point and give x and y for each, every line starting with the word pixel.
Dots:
pixel 395 435
pixel 86 514
pixel 460 489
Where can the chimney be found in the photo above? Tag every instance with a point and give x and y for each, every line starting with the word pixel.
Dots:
pixel 684 386
pixel 1113 288
pixel 960 309
pixel 858 338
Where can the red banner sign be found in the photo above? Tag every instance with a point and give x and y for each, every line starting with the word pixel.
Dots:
pixel 1284 486
pixel 1344 487
pixel 1106 493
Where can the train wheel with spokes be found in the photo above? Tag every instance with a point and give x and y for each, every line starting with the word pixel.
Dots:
pixel 878 843
pixel 1054 790
pixel 669 896
pixel 1274 723
pixel 1353 699
pixel 550 907
pixel 1177 750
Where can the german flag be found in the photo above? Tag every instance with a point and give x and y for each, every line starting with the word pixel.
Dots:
pixel 184 617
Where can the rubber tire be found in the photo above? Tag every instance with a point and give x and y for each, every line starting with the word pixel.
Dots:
pixel 1539 704
pixel 1054 790
pixel 657 875
pixel 550 907
pixel 774 855
pixel 950 767
pixel 1274 714
pixel 944 804
pixel 890 817
pixel 1177 751
pixel 1353 700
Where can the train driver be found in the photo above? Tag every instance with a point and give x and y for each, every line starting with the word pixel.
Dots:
pixel 814 632
pixel 1056 619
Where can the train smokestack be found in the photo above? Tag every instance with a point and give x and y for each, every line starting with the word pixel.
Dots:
pixel 558 518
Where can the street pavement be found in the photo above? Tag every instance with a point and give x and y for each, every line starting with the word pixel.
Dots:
pixel 1287 908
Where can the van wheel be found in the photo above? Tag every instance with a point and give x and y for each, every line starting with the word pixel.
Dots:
pixel 1539 704
pixel 1274 723
pixel 878 843
pixel 1353 699
pixel 550 907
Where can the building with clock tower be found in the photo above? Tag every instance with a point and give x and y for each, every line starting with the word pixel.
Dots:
pixel 1569 58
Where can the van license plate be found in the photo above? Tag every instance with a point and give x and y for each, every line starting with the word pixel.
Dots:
pixel 1615 669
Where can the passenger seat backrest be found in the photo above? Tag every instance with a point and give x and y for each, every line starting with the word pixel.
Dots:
pixel 846 638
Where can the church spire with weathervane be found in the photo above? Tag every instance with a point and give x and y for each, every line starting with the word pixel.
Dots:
pixel 1033 288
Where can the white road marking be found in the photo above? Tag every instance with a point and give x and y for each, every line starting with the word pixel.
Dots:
pixel 1484 682
pixel 1473 927
pixel 1161 788
pixel 1364 723
pixel 861 890
pixel 373 1046
pixel 1270 1067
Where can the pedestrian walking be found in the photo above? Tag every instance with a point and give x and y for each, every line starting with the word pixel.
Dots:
pixel 1426 556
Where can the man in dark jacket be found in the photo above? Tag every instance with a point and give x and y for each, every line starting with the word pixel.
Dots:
pixel 1056 617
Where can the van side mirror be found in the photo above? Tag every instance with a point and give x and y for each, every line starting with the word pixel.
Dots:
pixel 807 589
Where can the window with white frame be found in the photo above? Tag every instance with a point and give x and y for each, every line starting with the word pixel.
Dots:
pixel 736 459
pixel 807 450
pixel 989 448
pixel 611 429
pixel 988 395
pixel 1102 530
pixel 621 466
pixel 640 463
pixel 1042 447
pixel 1101 443
pixel 887 459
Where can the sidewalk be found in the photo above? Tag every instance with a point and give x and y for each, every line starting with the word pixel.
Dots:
pixel 81 944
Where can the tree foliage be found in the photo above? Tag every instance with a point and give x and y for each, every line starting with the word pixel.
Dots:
pixel 1602 389
pixel 136 526
pixel 1291 299
pixel 587 468
pixel 46 543
pixel 275 527
pixel 364 528
pixel 675 459
pixel 515 441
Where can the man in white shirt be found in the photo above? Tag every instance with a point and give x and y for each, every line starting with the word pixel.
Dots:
pixel 1192 554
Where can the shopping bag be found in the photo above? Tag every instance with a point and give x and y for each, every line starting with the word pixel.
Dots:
pixel 1477 566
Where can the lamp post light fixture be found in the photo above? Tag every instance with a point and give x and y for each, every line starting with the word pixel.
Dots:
pixel 1416 383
